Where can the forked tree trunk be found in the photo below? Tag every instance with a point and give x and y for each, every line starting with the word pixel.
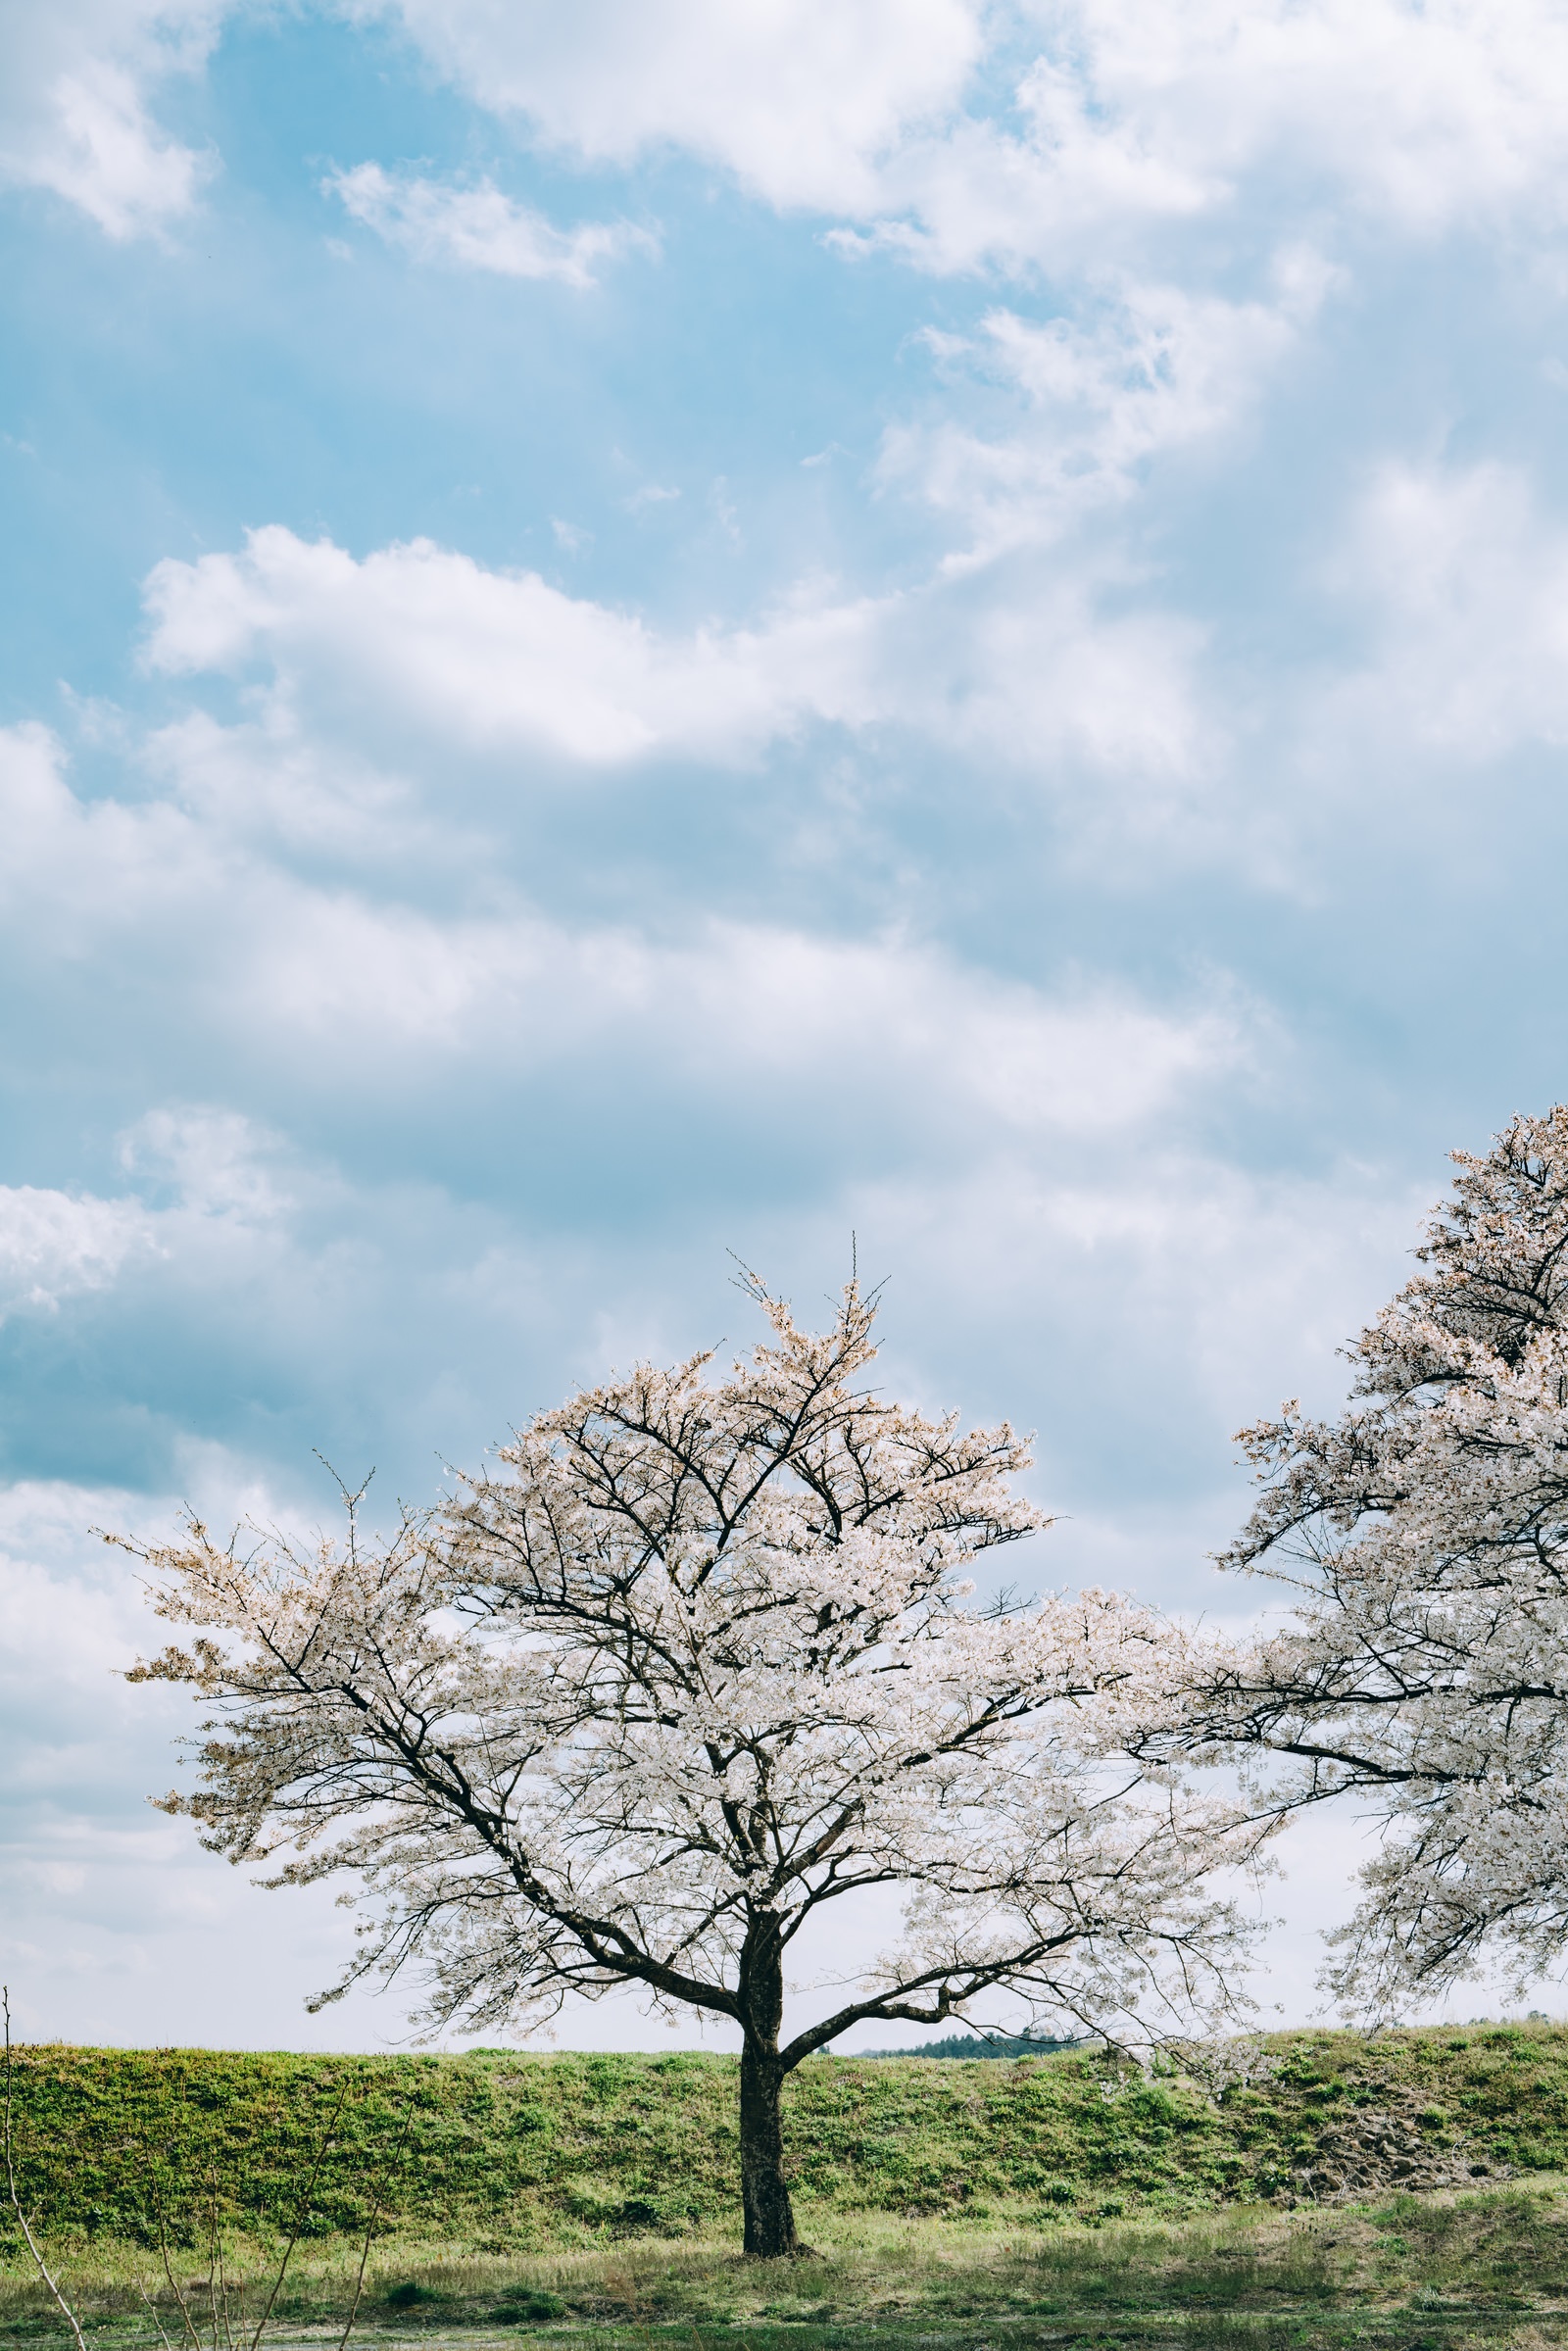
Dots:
pixel 765 2193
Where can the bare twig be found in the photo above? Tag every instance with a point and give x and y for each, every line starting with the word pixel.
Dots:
pixel 301 2215
pixel 152 2310
pixel 393 2161
pixel 223 2282
pixel 211 2266
pixel 15 2201
pixel 184 2306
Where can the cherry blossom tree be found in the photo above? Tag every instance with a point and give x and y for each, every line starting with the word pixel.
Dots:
pixel 1423 1536
pixel 695 1664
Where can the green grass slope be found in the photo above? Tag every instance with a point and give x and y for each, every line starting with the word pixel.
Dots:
pixel 505 2153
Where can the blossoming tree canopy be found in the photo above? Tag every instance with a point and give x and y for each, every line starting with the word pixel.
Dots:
pixel 697 1663
pixel 1424 1533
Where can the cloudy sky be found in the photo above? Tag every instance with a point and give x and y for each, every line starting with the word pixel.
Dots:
pixel 669 627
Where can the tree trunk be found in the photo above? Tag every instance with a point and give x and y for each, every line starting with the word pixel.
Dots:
pixel 764 2194
pixel 769 2214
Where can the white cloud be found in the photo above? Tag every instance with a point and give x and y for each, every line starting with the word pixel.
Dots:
pixel 214 1160
pixel 652 493
pixel 1136 115
pixel 1252 1281
pixel 131 864
pixel 898 1026
pixel 1123 116
pixel 799 98
pixel 495 658
pixel 1106 717
pixel 419 637
pixel 267 780
pixel 1465 581
pixel 1099 123
pixel 249 953
pixel 76 78
pixel 479 229
pixel 1150 369
pixel 1000 1142
pixel 57 1245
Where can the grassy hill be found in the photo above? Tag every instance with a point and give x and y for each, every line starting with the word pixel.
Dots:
pixel 508 2153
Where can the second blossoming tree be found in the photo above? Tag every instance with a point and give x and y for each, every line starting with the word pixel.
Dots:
pixel 1422 1539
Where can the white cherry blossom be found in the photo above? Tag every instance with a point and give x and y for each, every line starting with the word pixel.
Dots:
pixel 696 1660
pixel 1424 1536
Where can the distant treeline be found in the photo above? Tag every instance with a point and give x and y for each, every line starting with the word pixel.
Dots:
pixel 974 2045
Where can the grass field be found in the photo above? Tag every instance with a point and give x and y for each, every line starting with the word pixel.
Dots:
pixel 1404 2272
pixel 1057 2200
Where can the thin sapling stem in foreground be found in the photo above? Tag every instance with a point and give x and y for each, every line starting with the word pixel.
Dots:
pixel 393 2161
pixel 301 2216
pixel 174 2288
pixel 41 2266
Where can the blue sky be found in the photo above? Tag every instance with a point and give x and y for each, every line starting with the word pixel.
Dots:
pixel 663 628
